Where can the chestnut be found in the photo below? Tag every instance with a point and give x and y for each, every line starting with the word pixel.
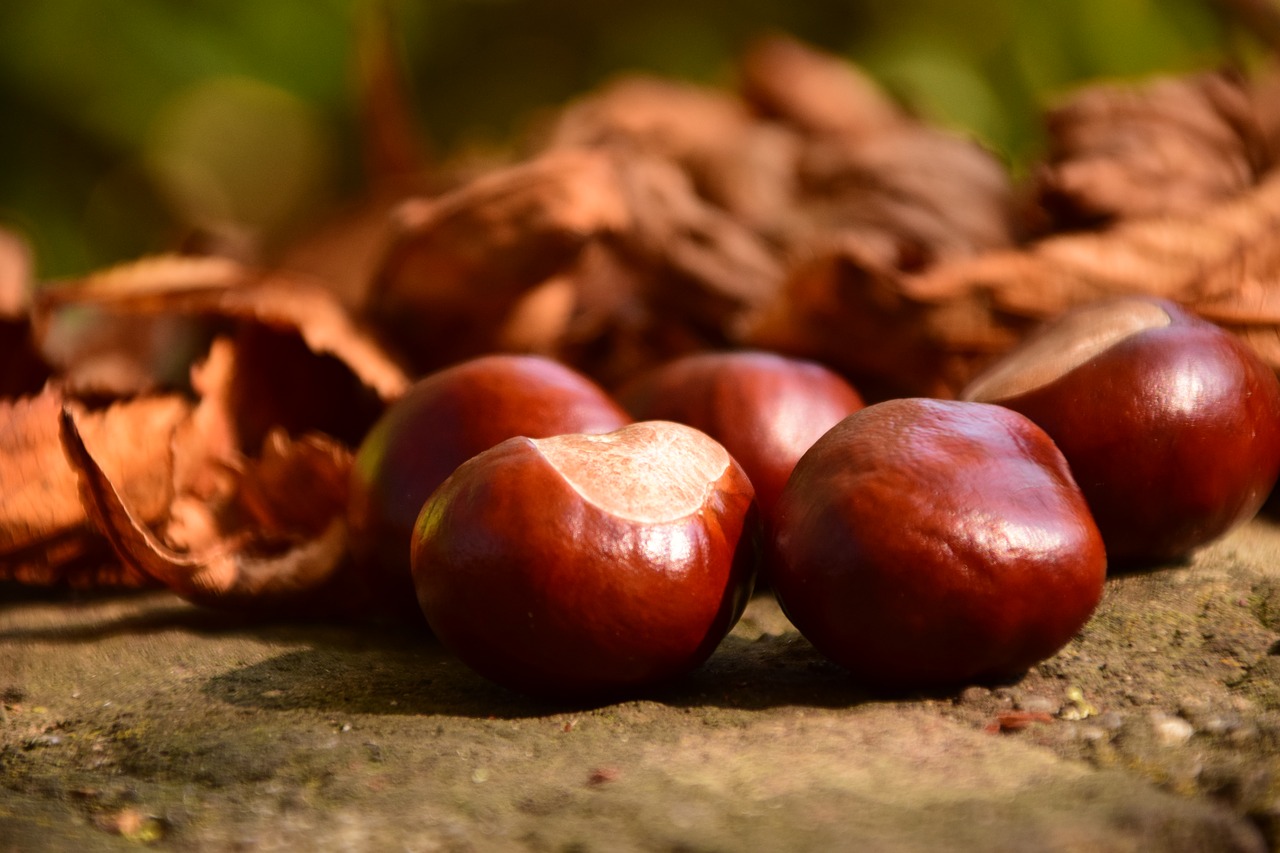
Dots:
pixel 1170 424
pixel 442 421
pixel 927 543
pixel 766 409
pixel 584 566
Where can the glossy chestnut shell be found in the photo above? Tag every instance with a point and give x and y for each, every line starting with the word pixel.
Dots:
pixel 1170 424
pixel 766 409
pixel 442 421
pixel 924 542
pixel 588 566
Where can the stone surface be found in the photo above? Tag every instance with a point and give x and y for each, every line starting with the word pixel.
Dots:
pixel 141 720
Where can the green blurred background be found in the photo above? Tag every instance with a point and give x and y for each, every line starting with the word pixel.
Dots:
pixel 124 122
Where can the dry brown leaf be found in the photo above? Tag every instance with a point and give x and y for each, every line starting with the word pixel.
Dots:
pixel 913 196
pixel 222 288
pixel 75 562
pixel 295 306
pixel 206 446
pixel 460 262
pixel 714 267
pixel 597 315
pixel 1208 262
pixel 812 90
pixel 39 499
pixel 928 333
pixel 688 124
pixel 1169 147
pixel 738 163
pixel 296 487
pixel 496 262
pixel 45 534
pixel 345 249
pixel 844 307
pixel 104 354
pixel 237 573
pixel 302 361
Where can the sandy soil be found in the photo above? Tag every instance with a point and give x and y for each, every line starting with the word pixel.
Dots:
pixel 141 720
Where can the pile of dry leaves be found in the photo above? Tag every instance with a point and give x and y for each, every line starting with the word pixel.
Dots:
pixel 189 420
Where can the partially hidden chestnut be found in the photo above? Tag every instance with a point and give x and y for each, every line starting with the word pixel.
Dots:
pixel 442 421
pixel 925 543
pixel 584 566
pixel 766 409
pixel 1170 424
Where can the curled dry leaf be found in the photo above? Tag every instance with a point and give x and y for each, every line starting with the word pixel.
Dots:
pixel 707 266
pixel 222 288
pixel 928 333
pixel 736 162
pixel 1171 146
pixel 912 196
pixel 459 263
pixel 296 487
pixel 817 93
pixel 690 203
pixel 845 307
pixel 44 529
pixel 525 250
pixel 250 570
pixel 107 355
pixel 305 363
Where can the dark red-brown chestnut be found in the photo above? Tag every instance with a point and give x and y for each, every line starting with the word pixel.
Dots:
pixel 766 409
pixel 1170 424
pixel 442 421
pixel 924 543
pixel 583 566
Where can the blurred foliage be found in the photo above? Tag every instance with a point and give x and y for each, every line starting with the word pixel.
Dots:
pixel 126 123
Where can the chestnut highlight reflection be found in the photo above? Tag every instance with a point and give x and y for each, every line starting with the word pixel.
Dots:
pixel 1170 424
pixel 928 543
pixel 446 418
pixel 588 566
pixel 766 409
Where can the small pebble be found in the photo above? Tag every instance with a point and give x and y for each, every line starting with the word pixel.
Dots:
pixel 1171 731
pixel 1037 705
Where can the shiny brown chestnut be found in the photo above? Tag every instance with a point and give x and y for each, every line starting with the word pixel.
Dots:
pixel 923 543
pixel 1170 424
pixel 442 421
pixel 766 409
pixel 583 566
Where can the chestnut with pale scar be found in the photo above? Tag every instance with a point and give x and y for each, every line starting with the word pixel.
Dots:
pixel 581 566
pixel 446 418
pixel 1170 424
